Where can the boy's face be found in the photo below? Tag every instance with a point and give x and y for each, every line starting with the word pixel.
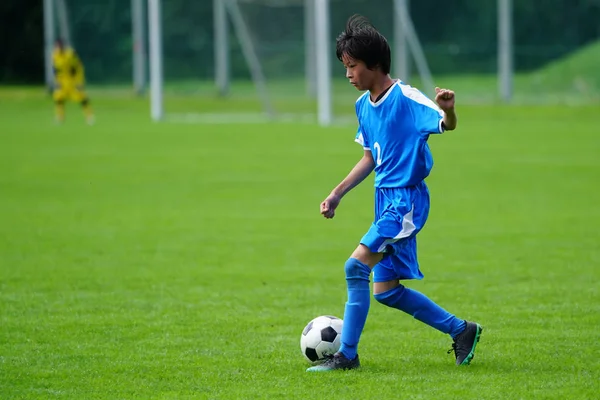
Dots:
pixel 358 74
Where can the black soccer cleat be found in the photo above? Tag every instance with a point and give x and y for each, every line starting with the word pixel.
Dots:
pixel 338 361
pixel 465 343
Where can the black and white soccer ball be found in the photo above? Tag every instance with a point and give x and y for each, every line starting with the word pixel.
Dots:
pixel 321 338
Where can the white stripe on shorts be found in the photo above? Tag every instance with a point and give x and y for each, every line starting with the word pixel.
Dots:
pixel 408 227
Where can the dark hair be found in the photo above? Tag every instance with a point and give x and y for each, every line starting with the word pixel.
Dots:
pixel 363 42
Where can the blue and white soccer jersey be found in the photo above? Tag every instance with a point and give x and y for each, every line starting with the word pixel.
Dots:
pixel 396 130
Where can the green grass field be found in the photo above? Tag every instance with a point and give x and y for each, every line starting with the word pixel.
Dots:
pixel 173 261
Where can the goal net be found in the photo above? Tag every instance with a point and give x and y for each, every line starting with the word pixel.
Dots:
pixel 273 59
pixel 492 52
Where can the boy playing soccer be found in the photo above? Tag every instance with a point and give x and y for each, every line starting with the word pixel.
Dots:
pixel 394 123
pixel 69 81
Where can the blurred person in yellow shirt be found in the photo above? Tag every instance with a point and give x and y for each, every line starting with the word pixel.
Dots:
pixel 69 80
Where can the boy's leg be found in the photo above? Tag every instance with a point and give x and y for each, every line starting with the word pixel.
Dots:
pixel 59 111
pixel 422 308
pixel 59 104
pixel 388 225
pixel 80 97
pixel 87 110
pixel 387 290
pixel 357 306
pixel 358 270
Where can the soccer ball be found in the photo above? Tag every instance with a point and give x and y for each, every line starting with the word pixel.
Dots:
pixel 321 338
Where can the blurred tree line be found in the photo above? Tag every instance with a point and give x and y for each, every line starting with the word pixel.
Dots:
pixel 101 30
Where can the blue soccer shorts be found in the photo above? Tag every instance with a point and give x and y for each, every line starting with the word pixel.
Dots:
pixel 400 213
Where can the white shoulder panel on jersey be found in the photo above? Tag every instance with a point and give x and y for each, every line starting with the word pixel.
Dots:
pixel 415 95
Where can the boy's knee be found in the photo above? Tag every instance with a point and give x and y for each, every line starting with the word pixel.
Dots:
pixel 354 269
pixel 366 256
pixel 389 297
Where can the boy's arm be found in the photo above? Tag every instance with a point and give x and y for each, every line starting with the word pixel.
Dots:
pixel 361 170
pixel 446 100
pixel 450 120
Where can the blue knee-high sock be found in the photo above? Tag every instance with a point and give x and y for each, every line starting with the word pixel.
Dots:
pixel 422 308
pixel 357 306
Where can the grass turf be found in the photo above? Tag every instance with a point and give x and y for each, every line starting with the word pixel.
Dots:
pixel 144 260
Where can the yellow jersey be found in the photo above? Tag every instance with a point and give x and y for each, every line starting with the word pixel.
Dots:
pixel 68 69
